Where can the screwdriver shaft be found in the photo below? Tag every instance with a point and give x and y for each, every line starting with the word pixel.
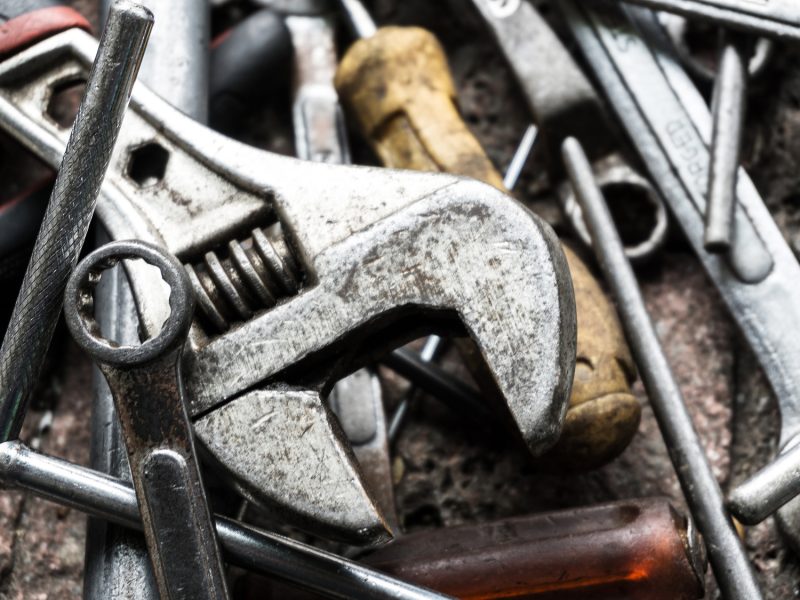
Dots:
pixel 69 212
pixel 726 553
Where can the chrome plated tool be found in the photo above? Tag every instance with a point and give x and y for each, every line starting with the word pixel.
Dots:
pixel 726 553
pixel 771 18
pixel 303 271
pixel 670 125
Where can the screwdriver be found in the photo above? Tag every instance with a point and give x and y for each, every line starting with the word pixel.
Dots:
pixel 395 85
pixel 640 549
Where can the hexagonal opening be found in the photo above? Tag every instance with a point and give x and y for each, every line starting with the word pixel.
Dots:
pixel 148 164
pixel 65 98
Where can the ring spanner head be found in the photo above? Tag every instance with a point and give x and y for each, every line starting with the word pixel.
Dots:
pixel 148 394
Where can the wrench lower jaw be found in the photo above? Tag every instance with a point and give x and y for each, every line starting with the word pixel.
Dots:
pixel 283 449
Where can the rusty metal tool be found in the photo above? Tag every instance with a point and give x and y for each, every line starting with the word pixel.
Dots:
pixel 146 384
pixel 72 203
pixel 462 395
pixel 668 122
pixel 306 271
pixel 107 497
pixel 633 549
pixel 772 18
pixel 727 555
pixel 564 103
pixel 397 87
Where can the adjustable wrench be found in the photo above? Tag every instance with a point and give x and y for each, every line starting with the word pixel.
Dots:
pixel 335 259
pixel 670 126
pixel 146 384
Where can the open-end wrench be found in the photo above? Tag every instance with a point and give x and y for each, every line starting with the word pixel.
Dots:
pixel 771 18
pixel 338 262
pixel 563 103
pixel 669 123
pixel 146 385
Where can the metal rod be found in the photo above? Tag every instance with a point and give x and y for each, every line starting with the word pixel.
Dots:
pixel 439 383
pixel 176 65
pixel 726 553
pixel 72 203
pixel 730 98
pixel 110 498
pixel 769 489
pixel 520 157
pixel 398 420
pixel 358 19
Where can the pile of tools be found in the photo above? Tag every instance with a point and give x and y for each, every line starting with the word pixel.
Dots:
pixel 240 304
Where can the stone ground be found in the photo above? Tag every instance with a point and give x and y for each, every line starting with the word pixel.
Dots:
pixel 449 471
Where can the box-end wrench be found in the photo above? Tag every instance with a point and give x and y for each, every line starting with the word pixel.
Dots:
pixel 772 18
pixel 176 67
pixel 339 274
pixel 669 123
pixel 107 497
pixel 563 103
pixel 146 384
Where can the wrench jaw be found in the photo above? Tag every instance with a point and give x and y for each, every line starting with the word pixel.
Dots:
pixel 369 246
pixel 466 250
pixel 279 443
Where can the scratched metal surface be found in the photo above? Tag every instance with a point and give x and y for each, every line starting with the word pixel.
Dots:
pixel 449 471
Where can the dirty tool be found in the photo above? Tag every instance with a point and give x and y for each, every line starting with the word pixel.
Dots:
pixel 146 384
pixel 106 497
pixel 732 569
pixel 304 272
pixel 637 549
pixel 396 86
pixel 69 212
pixel 669 124
pixel 117 561
pixel 563 103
